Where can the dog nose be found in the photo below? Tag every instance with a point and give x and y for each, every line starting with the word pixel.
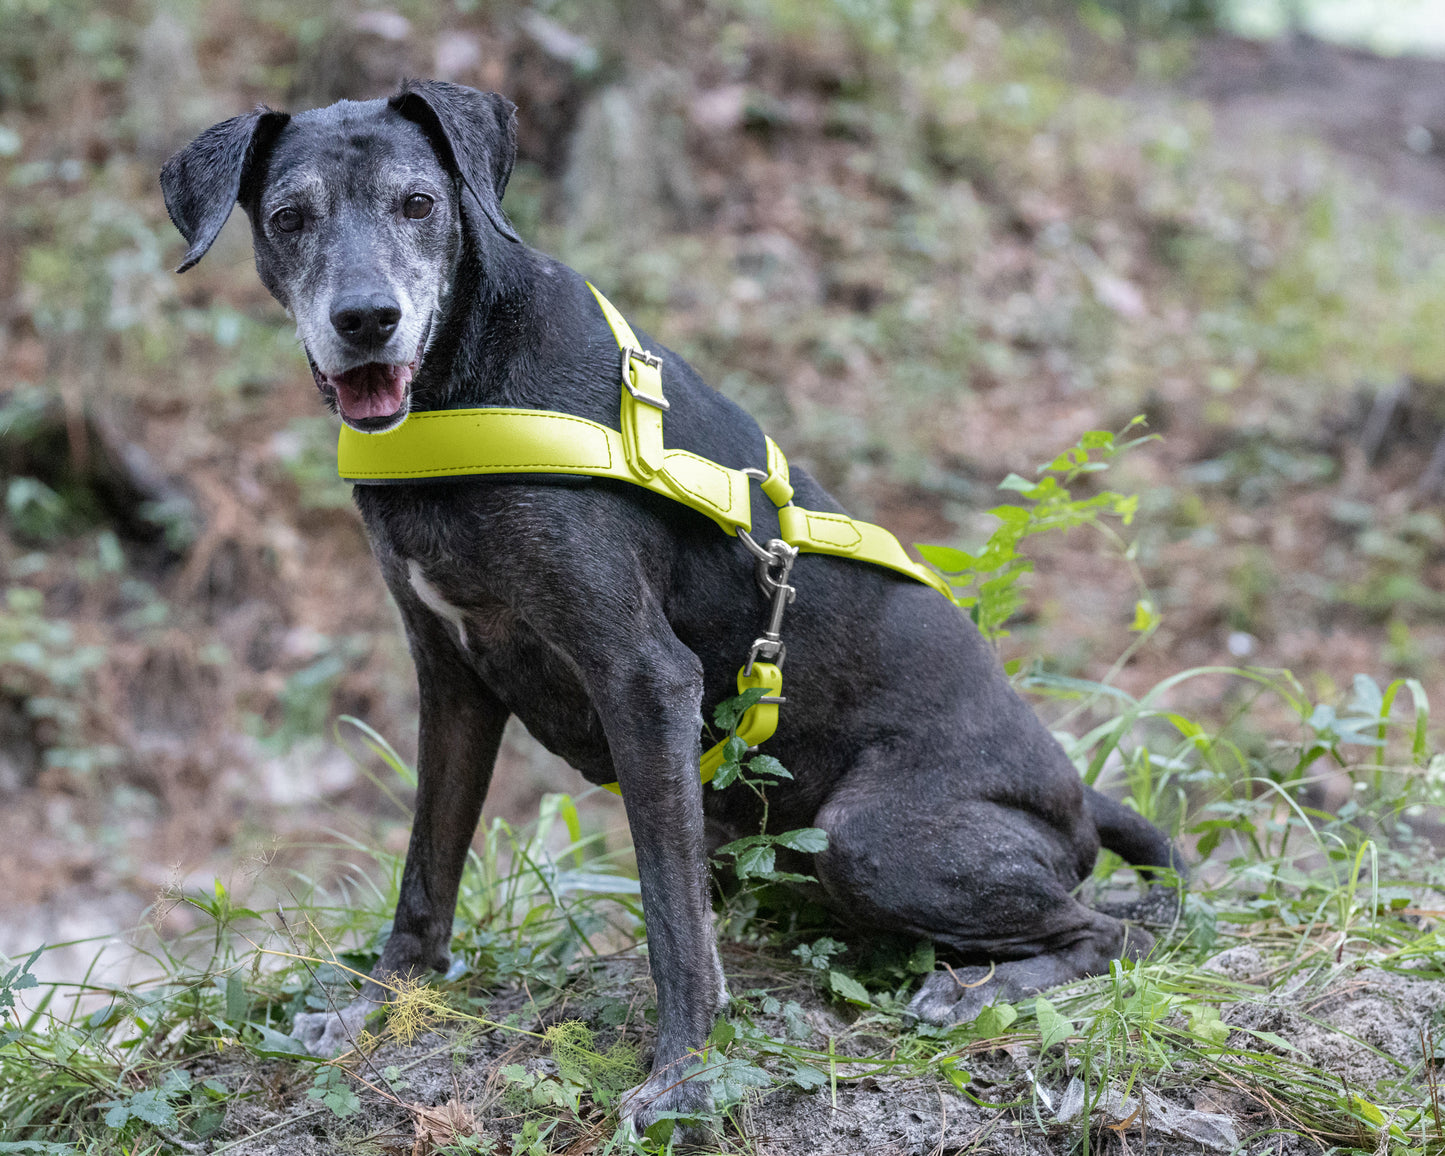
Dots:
pixel 365 320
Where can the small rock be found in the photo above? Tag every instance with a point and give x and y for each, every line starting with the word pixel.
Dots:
pixel 1208 1129
pixel 1240 963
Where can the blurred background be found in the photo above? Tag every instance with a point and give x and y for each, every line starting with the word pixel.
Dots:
pixel 925 242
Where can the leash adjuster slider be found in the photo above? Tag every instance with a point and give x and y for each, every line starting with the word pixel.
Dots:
pixel 652 361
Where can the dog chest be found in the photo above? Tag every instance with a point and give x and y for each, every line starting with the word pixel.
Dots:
pixel 432 599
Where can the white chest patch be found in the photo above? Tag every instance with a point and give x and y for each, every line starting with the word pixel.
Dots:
pixel 433 601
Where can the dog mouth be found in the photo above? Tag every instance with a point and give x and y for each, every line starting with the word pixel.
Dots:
pixel 374 396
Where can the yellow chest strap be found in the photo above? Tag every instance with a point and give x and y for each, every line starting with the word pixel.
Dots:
pixel 466 442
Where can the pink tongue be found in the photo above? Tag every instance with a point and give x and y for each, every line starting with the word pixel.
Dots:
pixel 373 390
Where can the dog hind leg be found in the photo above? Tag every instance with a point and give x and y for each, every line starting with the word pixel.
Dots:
pixel 991 882
pixel 1128 833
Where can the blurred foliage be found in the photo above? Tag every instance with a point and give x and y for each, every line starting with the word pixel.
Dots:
pixel 917 243
pixel 43 667
pixel 43 36
pixel 986 584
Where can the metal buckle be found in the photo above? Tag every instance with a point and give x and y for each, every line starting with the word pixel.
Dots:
pixel 652 361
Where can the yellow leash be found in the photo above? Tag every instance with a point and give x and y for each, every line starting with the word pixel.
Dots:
pixel 466 442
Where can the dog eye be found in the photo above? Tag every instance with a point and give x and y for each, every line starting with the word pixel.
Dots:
pixel 417 207
pixel 287 220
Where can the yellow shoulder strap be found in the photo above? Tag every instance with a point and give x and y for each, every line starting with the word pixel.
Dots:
pixel 643 403
pixel 815 532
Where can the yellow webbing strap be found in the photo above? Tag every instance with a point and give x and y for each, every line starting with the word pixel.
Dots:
pixel 815 532
pixel 777 485
pixel 756 726
pixel 643 402
pixel 445 443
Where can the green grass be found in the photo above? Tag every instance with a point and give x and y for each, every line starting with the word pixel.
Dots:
pixel 92 1068
pixel 1316 894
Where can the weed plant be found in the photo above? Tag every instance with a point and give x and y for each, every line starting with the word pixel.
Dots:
pixel 545 917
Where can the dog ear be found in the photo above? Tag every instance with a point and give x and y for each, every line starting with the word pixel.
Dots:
pixel 475 134
pixel 203 181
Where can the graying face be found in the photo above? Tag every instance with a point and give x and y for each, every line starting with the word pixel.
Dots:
pixel 356 231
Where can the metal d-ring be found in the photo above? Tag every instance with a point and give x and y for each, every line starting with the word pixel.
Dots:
pixel 763 556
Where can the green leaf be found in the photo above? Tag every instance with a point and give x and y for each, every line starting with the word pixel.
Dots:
pixel 236 1002
pixel 274 1044
pixel 1012 517
pixel 767 765
pixel 810 840
pixel 333 1089
pixel 994 1019
pixel 1273 1038
pixel 808 1077
pixel 1053 1028
pixel 733 1077
pixel 739 845
pixel 343 1102
pixel 923 960
pixel 796 1021
pixel 818 953
pixel 102 1016
pixel 730 711
pixel 946 558
pixel 726 775
pixel 1367 1110
pixel 955 1075
pixel 153 1107
pixel 849 988
pixel 755 861
pixel 1204 1022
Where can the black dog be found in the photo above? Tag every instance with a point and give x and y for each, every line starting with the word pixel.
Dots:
pixel 605 616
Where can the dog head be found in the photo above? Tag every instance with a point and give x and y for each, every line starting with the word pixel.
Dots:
pixel 359 214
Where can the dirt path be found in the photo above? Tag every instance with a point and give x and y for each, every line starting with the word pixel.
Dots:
pixel 1384 115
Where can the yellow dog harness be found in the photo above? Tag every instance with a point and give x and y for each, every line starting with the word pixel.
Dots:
pixel 466 442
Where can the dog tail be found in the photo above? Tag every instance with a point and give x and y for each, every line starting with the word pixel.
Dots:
pixel 1128 834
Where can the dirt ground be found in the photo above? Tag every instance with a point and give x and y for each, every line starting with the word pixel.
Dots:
pixel 1360 1025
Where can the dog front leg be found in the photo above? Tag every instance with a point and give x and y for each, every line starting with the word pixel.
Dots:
pixel 460 731
pixel 652 715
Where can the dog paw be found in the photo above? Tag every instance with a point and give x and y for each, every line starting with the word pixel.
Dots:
pixel 954 997
pixel 687 1099
pixel 326 1033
